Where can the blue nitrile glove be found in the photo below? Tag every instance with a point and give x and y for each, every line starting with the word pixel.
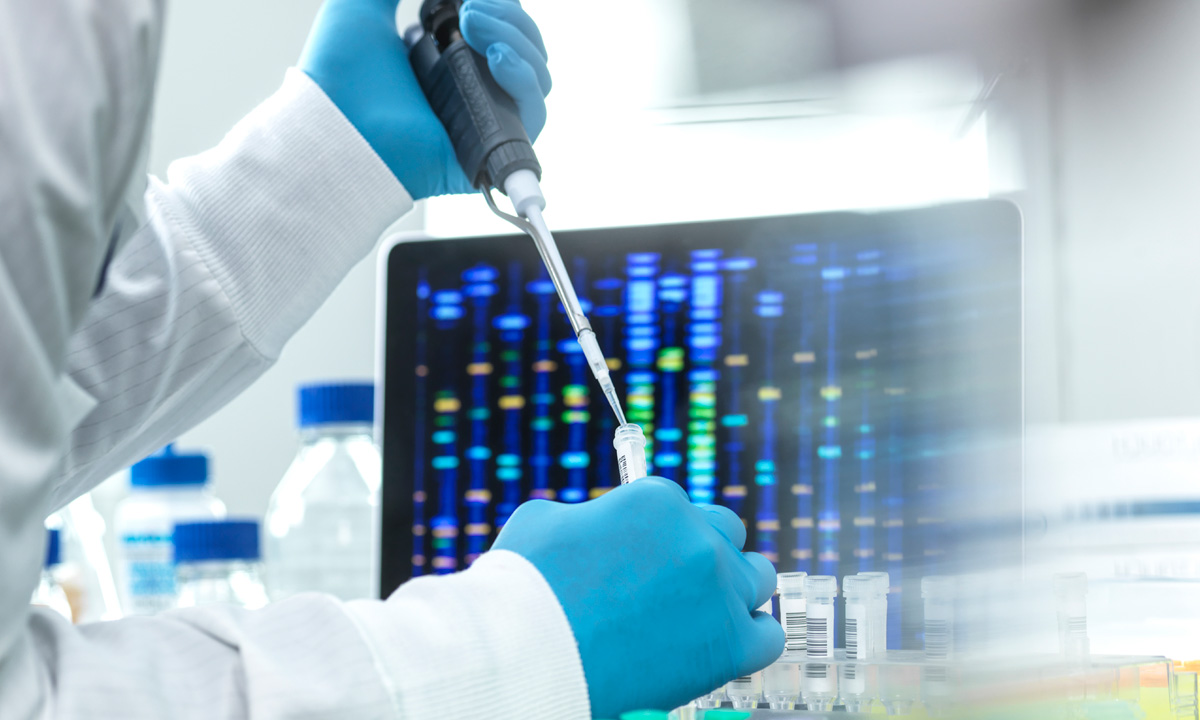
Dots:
pixel 658 593
pixel 356 56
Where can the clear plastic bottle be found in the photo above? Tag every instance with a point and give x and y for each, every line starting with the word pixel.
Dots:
pixel 165 489
pixel 48 592
pixel 217 561
pixel 322 524
pixel 86 575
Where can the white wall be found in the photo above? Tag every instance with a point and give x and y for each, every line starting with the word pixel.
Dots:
pixel 1103 132
pixel 1128 133
pixel 221 58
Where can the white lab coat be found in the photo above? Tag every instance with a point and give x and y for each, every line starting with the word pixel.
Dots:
pixel 216 269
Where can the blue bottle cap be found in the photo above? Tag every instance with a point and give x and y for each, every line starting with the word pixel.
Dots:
pixel 329 403
pixel 165 468
pixel 216 540
pixel 53 548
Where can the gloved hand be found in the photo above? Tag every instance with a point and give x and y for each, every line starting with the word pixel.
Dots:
pixel 657 591
pixel 356 56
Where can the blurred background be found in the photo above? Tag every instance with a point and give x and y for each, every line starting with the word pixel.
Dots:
pixel 1084 113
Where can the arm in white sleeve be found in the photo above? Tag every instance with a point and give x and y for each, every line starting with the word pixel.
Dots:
pixel 229 258
pixel 237 251
pixel 488 643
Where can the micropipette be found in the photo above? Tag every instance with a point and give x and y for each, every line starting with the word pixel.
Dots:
pixel 494 151
pixel 533 224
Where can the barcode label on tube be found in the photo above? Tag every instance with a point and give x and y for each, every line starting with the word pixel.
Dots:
pixel 623 469
pixel 795 623
pixel 818 637
pixel 937 639
pixel 795 627
pixel 857 629
pixel 852 639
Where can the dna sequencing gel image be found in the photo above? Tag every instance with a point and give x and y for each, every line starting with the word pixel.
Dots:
pixel 828 392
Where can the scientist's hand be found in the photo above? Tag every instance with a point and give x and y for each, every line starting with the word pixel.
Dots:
pixel 658 593
pixel 356 56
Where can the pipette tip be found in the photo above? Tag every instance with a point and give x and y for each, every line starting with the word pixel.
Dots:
pixel 610 392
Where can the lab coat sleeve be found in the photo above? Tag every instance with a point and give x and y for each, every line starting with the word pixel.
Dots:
pixel 490 642
pixel 239 248
pixel 236 251
pixel 76 80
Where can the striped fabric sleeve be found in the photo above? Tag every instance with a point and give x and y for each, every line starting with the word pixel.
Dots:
pixel 235 253
pixel 489 642
pixel 238 250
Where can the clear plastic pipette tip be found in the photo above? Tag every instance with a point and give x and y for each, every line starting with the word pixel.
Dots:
pixel 610 392
pixel 531 221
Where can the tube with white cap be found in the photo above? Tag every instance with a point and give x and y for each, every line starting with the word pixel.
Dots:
pixel 630 444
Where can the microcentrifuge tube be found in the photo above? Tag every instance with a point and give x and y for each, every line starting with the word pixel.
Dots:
pixel 879 612
pixel 712 699
pixel 745 692
pixel 938 593
pixel 853 685
pixel 897 691
pixel 793 611
pixel 781 685
pixel 630 444
pixel 859 618
pixel 819 594
pixel 819 687
pixel 686 712
pixel 935 689
pixel 857 590
pixel 1070 594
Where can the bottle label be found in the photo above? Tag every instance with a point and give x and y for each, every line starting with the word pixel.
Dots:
pixel 149 572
